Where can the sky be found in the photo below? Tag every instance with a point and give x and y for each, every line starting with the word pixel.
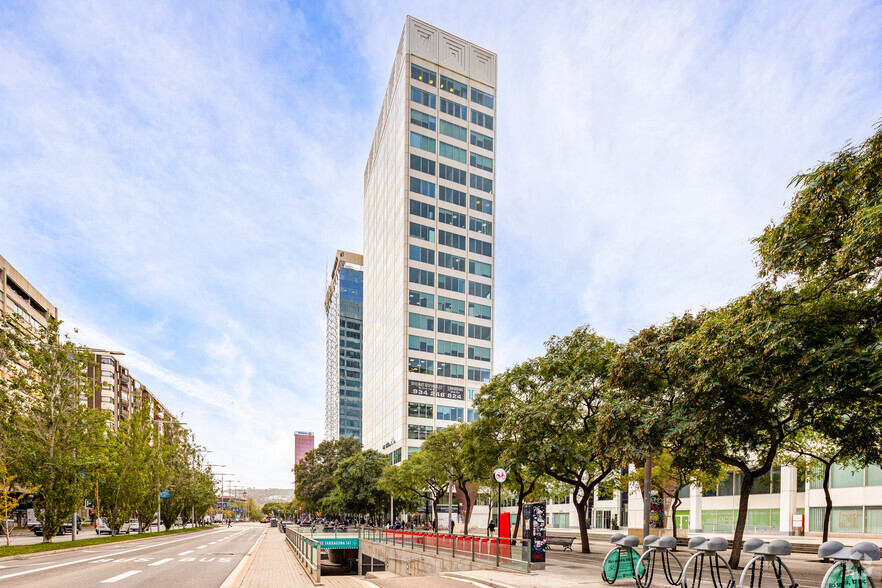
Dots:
pixel 176 177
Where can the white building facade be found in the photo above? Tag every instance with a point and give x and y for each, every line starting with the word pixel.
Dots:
pixel 429 241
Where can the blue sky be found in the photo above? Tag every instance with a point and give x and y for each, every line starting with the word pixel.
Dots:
pixel 176 177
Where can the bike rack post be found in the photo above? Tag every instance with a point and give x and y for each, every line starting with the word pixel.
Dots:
pixel 707 549
pixel 658 547
pixel 624 548
pixel 766 552
pixel 847 560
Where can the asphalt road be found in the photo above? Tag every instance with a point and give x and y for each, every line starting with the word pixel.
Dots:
pixel 201 558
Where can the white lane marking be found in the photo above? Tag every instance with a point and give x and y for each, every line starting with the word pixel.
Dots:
pixel 121 577
pixel 162 561
pixel 186 552
pixel 202 547
pixel 213 542
pixel 69 563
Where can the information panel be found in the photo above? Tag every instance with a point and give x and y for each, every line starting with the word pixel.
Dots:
pixel 449 392
pixel 420 388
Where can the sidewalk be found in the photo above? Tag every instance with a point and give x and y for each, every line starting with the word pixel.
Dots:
pixel 273 564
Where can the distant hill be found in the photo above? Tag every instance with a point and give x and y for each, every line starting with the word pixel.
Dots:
pixel 263 495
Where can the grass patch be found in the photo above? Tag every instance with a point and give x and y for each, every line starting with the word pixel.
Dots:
pixel 41 547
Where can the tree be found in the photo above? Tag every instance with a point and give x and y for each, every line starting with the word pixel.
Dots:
pixel 418 478
pixel 357 477
pixel 447 449
pixel 50 438
pixel 126 475
pixel 552 405
pixel 315 472
pixel 9 497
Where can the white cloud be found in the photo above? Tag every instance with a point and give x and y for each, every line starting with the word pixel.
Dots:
pixel 177 180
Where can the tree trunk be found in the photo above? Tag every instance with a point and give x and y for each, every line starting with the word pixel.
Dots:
pixel 746 486
pixel 676 502
pixel 581 509
pixel 828 511
pixel 518 515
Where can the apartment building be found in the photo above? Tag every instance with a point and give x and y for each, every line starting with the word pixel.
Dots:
pixel 429 240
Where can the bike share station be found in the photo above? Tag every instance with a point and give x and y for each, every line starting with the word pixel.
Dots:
pixel 624 562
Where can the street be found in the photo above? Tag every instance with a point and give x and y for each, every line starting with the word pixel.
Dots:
pixel 201 558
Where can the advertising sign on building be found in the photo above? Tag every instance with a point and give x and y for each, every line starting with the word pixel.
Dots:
pixel 449 392
pixel 420 388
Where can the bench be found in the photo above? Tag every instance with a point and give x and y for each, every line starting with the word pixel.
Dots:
pixel 565 542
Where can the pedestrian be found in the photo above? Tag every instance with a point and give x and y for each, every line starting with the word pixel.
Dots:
pixel 490 528
pixel 452 525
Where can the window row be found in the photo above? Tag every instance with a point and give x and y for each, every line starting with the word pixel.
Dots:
pixel 480 183
pixel 448 326
pixel 478 161
pixel 451 152
pixel 446 193
pixel 451 348
pixel 427 121
pixel 422 209
pixel 450 173
pixel 479 374
pixel 460 89
pixel 452 305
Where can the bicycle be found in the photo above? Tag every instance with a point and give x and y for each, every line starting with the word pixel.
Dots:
pixel 767 552
pixel 847 571
pixel 621 561
pixel 707 549
pixel 658 548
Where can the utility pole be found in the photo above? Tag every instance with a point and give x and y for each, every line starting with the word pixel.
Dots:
pixel 647 493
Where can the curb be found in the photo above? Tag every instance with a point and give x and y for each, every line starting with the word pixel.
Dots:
pixel 83 547
pixel 478 581
pixel 238 574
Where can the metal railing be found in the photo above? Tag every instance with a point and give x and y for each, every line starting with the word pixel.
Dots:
pixel 309 552
pixel 507 552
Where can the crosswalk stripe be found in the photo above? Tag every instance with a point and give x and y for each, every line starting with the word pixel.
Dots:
pixel 186 552
pixel 162 561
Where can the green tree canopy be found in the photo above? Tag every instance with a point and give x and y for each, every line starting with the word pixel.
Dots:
pixel 315 472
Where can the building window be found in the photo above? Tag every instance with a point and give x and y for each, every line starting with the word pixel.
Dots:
pixel 421 299
pixel 417 343
pixel 422 209
pixel 481 162
pixel 419 410
pixel 457 219
pixel 479 332
pixel 451 283
pixel 479 140
pixel 481 183
pixel 451 348
pixel 451 152
pixel 451 370
pixel 427 121
pixel 479 353
pixel 449 173
pixel 450 239
pixel 422 254
pixel 480 269
pixel 454 87
pixel 480 204
pixel 472 415
pixel 451 261
pixel 452 130
pixel 479 374
pixel 481 226
pixel 416 365
pixel 422 232
pixel 479 118
pixel 424 75
pixel 478 289
pixel 449 413
pixel 480 247
pixel 422 187
pixel 421 276
pixel 451 305
pixel 452 196
pixel 422 164
pixel 422 97
pixel 450 327
pixel 395 456
pixel 421 321
pixel 482 98
pixel 458 110
pixel 418 431
pixel 422 142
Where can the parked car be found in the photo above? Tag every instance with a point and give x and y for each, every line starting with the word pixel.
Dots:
pixel 101 528
pixel 134 526
pixel 274 522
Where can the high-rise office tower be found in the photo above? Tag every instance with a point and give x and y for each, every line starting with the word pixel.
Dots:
pixel 429 192
pixel 343 309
